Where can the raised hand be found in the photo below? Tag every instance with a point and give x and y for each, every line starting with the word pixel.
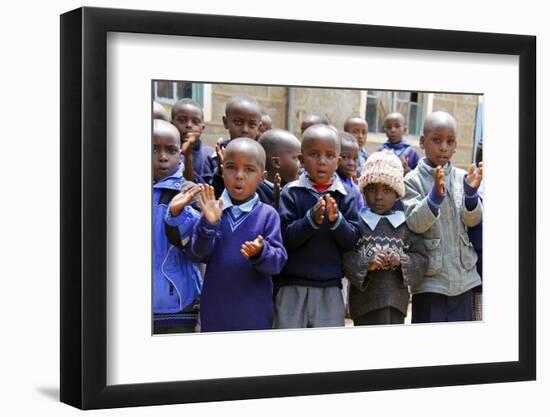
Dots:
pixel 182 199
pixel 188 141
pixel 405 163
pixel 319 211
pixel 332 208
pixel 474 177
pixel 439 179
pixel 249 249
pixel 277 190
pixel 210 207
pixel 219 155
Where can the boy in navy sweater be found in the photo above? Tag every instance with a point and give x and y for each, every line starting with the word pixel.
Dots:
pixel 188 117
pixel 318 222
pixel 239 239
pixel 282 163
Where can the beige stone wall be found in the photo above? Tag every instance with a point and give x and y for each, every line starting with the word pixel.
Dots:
pixel 272 99
pixel 463 108
pixel 337 104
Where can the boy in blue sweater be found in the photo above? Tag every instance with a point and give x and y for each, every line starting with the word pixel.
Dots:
pixel 243 118
pixel 239 239
pixel 176 280
pixel 188 117
pixel 395 128
pixel 282 151
pixel 318 222
pixel 347 166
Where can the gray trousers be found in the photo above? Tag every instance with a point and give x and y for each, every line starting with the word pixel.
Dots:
pixel 298 306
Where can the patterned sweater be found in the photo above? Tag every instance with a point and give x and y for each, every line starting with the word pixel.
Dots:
pixel 372 290
pixel 237 292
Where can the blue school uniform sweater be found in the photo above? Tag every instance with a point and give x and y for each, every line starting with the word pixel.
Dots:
pixel 237 292
pixel 315 251
pixel 402 149
pixel 204 165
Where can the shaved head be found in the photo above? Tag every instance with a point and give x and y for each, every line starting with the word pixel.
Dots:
pixel 249 147
pixel 439 119
pixel 164 128
pixel 320 132
pixel 274 140
pixel 394 116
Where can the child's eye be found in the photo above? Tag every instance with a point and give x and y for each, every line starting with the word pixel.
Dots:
pixel 237 122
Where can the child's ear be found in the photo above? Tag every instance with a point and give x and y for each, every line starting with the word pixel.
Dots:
pixel 301 158
pixel 224 120
pixel 264 175
pixel 421 142
pixel 405 128
pixel 276 162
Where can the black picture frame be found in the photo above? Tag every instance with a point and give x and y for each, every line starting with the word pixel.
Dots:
pixel 84 207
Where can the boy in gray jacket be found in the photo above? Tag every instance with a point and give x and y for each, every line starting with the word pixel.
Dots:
pixel 441 202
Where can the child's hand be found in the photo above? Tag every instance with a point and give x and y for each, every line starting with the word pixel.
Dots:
pixel 378 261
pixel 182 199
pixel 277 190
pixel 439 179
pixel 474 177
pixel 249 249
pixel 188 141
pixel 319 211
pixel 219 155
pixel 332 208
pixel 393 259
pixel 405 162
pixel 211 209
pixel 354 178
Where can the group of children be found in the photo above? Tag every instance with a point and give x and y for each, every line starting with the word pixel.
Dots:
pixel 258 232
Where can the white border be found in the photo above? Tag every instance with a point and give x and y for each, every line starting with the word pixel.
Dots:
pixel 136 357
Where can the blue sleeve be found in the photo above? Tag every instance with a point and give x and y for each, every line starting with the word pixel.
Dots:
pixel 295 230
pixel 346 227
pixel 435 200
pixel 413 159
pixel 203 240
pixel 273 256
pixel 185 221
pixel 470 196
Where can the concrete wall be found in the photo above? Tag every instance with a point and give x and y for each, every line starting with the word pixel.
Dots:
pixel 337 105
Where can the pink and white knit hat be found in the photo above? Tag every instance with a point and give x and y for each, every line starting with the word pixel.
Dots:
pixel 383 167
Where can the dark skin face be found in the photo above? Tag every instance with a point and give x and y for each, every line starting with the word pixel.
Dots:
pixel 267 124
pixel 439 143
pixel 347 167
pixel 287 163
pixel 380 197
pixel 394 126
pixel 242 173
pixel 166 152
pixel 320 155
pixel 359 129
pixel 188 119
pixel 243 120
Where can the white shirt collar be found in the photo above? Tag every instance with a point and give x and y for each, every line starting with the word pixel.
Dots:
pixel 245 207
pixel 304 182
pixel 396 218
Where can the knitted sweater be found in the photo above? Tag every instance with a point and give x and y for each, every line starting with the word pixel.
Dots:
pixel 451 257
pixel 237 292
pixel 372 290
pixel 315 251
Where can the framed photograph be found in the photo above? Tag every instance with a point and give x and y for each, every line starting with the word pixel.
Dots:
pixel 116 63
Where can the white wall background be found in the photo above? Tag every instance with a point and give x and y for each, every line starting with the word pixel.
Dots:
pixel 29 364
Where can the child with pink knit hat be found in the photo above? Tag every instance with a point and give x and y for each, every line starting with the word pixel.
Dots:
pixel 388 256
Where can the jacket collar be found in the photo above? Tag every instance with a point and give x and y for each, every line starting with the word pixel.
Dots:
pixel 396 218
pixel 172 182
